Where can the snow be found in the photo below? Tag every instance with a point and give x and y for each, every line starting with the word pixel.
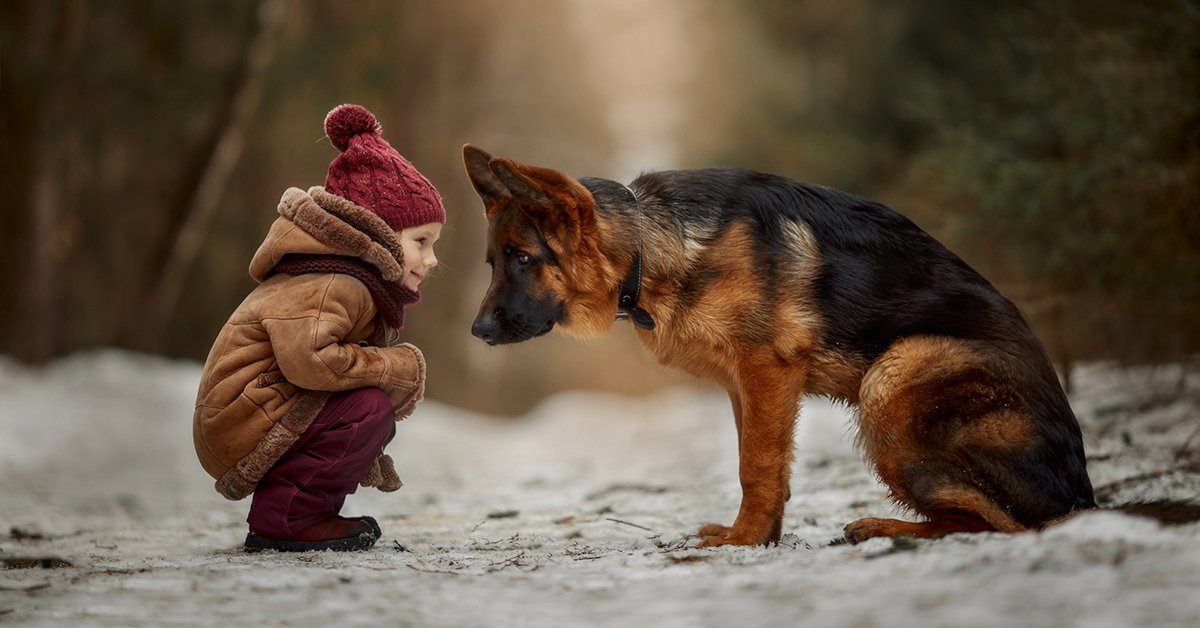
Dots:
pixel 575 514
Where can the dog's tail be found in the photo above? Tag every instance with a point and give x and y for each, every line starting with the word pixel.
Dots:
pixel 1168 512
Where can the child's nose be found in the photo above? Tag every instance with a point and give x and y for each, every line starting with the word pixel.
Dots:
pixel 431 261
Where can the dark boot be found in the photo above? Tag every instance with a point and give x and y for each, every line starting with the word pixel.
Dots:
pixel 336 534
pixel 371 522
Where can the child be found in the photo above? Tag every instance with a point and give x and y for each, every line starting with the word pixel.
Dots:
pixel 303 386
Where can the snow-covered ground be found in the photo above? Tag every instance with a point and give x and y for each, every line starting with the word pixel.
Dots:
pixel 576 514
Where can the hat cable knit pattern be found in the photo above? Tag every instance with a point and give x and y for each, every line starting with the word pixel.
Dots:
pixel 370 173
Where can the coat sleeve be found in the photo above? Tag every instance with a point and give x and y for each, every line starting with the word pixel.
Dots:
pixel 312 353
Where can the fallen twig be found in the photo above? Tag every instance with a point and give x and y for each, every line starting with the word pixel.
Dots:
pixel 1186 448
pixel 449 573
pixel 681 544
pixel 638 488
pixel 1107 490
pixel 514 561
pixel 36 587
pixel 45 562
pixel 629 524
pixel 106 572
pixel 511 539
pixel 797 543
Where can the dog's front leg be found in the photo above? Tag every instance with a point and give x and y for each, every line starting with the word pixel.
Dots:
pixel 770 397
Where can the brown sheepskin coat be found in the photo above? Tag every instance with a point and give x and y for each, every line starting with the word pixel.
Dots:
pixel 296 339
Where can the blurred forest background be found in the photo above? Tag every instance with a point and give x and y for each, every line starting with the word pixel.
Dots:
pixel 1054 145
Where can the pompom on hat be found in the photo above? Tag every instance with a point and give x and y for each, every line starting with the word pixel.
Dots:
pixel 370 173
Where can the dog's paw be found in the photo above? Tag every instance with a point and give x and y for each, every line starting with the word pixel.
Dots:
pixel 858 531
pixel 734 538
pixel 713 529
pixel 713 541
pixel 713 535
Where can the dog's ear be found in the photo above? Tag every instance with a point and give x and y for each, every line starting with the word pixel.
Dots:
pixel 560 204
pixel 521 181
pixel 487 184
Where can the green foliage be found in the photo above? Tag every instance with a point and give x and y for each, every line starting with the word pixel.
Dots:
pixel 1077 136
pixel 1055 145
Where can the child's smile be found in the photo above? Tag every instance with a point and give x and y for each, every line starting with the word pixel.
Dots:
pixel 419 257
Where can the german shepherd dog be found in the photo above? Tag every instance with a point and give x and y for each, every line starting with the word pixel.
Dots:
pixel 774 288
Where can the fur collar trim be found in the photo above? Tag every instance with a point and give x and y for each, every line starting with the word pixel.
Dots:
pixel 345 227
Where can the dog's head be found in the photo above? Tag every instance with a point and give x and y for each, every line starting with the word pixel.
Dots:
pixel 543 246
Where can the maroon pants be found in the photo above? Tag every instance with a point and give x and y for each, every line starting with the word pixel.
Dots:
pixel 310 482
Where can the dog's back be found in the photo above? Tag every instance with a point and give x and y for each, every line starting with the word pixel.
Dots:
pixel 881 277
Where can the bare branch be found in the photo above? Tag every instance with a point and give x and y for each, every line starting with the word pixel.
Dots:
pixel 217 172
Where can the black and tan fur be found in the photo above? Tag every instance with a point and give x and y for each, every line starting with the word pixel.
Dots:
pixel 775 289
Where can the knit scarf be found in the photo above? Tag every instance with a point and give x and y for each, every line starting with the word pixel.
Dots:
pixel 390 297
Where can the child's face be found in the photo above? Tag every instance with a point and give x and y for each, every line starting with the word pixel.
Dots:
pixel 418 252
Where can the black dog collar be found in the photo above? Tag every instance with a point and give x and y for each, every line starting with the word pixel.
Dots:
pixel 615 197
pixel 627 303
pixel 627 307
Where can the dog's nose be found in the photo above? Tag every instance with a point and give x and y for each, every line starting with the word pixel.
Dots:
pixel 487 326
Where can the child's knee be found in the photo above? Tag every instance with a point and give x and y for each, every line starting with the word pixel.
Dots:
pixel 373 405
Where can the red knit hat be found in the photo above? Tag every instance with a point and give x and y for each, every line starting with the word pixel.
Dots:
pixel 370 173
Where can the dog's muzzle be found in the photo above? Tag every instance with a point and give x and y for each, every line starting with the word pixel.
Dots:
pixel 491 328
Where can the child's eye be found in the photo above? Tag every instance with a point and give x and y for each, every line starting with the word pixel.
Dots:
pixel 421 241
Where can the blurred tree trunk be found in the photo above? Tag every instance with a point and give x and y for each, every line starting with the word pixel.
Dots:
pixel 226 145
pixel 55 34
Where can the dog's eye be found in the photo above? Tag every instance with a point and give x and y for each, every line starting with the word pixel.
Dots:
pixel 523 259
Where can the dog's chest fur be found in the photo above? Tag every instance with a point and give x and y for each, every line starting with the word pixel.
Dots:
pixel 716 306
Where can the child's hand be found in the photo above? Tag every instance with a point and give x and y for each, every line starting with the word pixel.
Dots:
pixel 405 385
